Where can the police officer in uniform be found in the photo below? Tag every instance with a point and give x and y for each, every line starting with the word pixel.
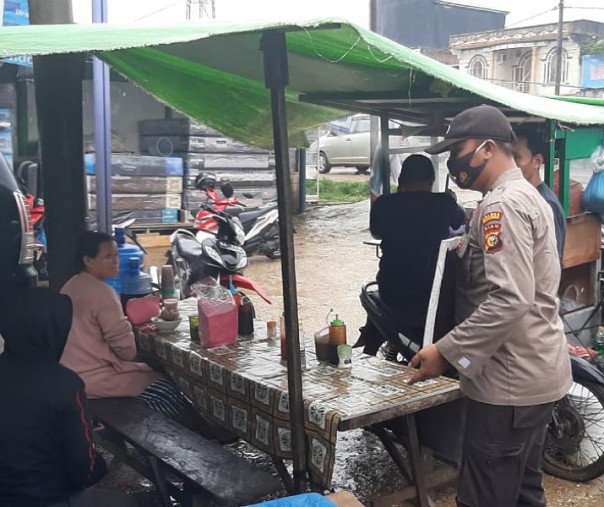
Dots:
pixel 509 346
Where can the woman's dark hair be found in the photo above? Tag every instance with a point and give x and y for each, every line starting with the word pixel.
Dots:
pixel 88 245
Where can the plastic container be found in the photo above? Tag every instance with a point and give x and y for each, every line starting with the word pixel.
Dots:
pixel 128 271
pixel 284 340
pixel 337 332
pixel 135 282
pixel 218 319
pixel 322 344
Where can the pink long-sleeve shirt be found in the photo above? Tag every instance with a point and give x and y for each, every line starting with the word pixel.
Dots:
pixel 101 347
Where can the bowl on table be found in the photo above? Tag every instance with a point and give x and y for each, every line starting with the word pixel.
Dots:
pixel 165 326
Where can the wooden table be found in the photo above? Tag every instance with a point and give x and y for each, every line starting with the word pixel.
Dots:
pixel 243 387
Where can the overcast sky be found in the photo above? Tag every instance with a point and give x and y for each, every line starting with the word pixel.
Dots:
pixel 522 12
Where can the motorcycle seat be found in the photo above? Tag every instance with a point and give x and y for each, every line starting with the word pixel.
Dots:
pixel 250 216
pixel 188 247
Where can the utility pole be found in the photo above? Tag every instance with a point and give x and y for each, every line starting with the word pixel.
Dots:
pixel 559 47
pixel 58 82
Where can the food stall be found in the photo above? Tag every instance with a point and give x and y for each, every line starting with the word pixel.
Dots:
pixel 314 71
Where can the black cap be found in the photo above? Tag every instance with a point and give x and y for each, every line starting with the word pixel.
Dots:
pixel 480 122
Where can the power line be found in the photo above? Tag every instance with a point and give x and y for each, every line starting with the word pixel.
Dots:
pixel 555 7
pixel 166 7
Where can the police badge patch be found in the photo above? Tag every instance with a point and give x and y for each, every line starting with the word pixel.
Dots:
pixel 493 242
pixel 491 227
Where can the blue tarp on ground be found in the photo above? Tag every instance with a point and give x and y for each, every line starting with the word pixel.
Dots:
pixel 307 500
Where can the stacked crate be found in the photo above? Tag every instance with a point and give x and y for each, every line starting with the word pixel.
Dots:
pixel 148 187
pixel 205 150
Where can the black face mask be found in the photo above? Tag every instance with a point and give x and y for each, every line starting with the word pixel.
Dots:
pixel 462 172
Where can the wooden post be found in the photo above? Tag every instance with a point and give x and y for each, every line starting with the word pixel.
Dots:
pixel 276 78
pixel 58 81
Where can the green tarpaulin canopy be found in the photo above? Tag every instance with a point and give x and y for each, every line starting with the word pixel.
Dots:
pixel 214 73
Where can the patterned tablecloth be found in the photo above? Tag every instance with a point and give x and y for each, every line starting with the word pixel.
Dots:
pixel 243 387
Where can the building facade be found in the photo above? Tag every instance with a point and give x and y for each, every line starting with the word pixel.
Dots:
pixel 430 23
pixel 524 59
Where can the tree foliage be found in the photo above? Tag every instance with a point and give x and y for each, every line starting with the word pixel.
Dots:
pixel 594 48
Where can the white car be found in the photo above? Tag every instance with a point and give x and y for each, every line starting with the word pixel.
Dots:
pixel 347 144
pixel 346 147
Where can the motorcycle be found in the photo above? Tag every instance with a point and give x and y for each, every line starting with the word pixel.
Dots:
pixel 26 176
pixel 220 256
pixel 574 446
pixel 260 225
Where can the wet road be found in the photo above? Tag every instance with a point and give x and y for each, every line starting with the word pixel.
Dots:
pixel 331 265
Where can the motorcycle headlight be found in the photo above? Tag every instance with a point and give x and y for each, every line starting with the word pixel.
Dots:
pixel 211 252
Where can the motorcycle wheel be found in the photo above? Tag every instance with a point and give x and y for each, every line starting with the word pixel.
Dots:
pixel 574 443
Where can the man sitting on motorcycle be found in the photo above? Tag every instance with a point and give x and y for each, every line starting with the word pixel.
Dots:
pixel 411 224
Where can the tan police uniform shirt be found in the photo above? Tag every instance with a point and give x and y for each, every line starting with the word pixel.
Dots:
pixel 509 346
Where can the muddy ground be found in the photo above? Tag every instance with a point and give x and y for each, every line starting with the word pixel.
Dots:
pixel 331 265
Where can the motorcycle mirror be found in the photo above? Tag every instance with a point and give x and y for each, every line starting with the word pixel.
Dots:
pixel 227 189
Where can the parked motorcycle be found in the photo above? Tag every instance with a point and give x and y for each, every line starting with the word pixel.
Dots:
pixel 220 256
pixel 260 225
pixel 574 446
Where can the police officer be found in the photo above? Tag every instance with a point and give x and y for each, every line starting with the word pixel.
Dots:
pixel 509 346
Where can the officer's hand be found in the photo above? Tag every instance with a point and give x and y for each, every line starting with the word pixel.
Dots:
pixel 430 362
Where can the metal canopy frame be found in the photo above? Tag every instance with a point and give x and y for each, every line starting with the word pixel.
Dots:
pixel 431 112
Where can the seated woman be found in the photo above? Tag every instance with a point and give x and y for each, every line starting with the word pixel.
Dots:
pixel 46 452
pixel 101 346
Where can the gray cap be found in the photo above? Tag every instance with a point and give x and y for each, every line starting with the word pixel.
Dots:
pixel 480 122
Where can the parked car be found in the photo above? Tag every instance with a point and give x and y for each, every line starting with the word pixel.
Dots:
pixel 16 233
pixel 346 147
pixel 347 144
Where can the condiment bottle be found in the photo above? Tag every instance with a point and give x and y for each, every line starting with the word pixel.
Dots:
pixel 271 330
pixel 337 332
pixel 246 317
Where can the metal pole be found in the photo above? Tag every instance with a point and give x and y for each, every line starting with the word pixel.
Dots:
pixel 373 121
pixel 385 158
pixel 559 47
pixel 302 178
pixel 58 81
pixel 102 128
pixel 276 78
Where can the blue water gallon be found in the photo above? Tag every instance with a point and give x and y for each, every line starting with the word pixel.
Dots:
pixel 127 273
pixel 135 282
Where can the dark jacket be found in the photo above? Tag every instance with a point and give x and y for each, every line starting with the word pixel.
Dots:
pixel 46 451
pixel 411 226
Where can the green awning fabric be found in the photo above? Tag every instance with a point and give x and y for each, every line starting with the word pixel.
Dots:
pixel 214 72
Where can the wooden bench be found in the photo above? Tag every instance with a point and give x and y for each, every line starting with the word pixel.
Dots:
pixel 181 463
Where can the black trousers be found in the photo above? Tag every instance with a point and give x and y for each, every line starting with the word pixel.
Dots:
pixel 502 452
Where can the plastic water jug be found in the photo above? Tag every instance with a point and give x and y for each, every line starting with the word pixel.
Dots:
pixel 135 283
pixel 125 253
